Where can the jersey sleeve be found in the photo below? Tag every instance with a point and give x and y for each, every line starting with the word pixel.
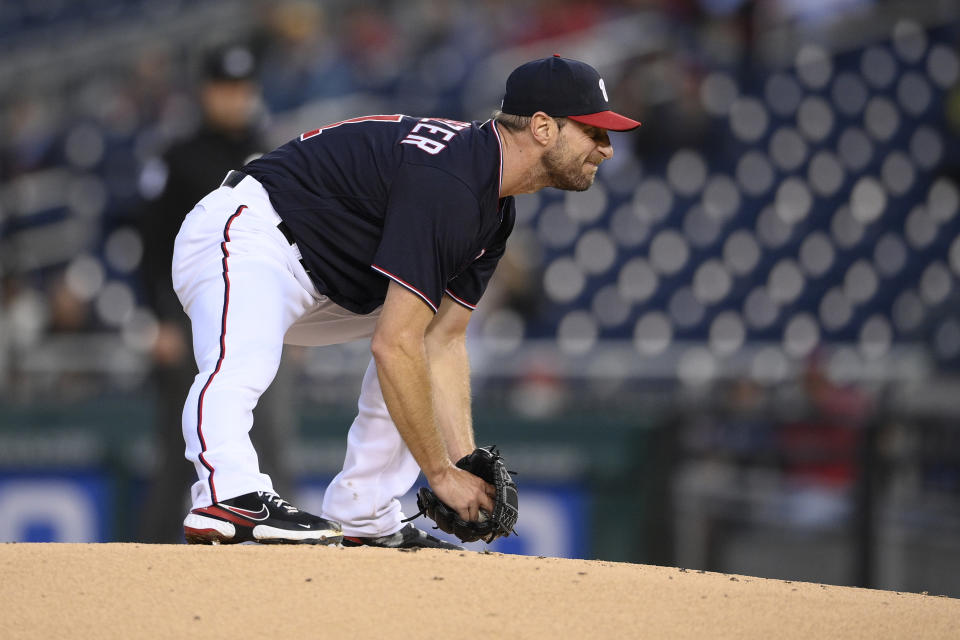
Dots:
pixel 430 226
pixel 468 287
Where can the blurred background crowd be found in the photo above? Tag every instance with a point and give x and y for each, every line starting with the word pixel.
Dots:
pixel 738 351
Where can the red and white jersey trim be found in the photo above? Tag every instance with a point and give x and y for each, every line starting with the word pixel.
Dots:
pixel 461 301
pixel 406 285
pixel 397 117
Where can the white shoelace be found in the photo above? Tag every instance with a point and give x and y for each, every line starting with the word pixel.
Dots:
pixel 274 499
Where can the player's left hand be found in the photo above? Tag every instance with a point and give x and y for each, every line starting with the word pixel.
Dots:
pixel 498 515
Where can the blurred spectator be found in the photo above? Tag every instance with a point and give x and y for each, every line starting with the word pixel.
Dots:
pixel 665 88
pixel 821 447
pixel 228 136
pixel 300 61
pixel 68 312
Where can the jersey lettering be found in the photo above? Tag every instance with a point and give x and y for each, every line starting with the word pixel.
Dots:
pixel 446 134
pixel 431 146
pixel 309 134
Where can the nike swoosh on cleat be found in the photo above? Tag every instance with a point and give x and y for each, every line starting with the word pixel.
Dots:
pixel 262 514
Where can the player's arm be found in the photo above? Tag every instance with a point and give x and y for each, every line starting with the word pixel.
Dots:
pixel 399 348
pixel 446 343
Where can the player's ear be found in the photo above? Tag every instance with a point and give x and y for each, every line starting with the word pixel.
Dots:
pixel 543 128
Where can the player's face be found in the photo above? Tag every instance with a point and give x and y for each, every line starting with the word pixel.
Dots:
pixel 573 162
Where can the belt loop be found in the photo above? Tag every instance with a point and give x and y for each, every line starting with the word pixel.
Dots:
pixel 233 178
pixel 285 230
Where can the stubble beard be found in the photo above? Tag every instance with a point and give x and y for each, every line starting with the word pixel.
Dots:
pixel 564 173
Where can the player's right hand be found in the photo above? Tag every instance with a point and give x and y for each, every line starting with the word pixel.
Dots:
pixel 464 492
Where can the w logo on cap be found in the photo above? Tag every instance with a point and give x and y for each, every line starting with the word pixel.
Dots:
pixel 603 89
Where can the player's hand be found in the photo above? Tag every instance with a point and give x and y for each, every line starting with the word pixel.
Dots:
pixel 463 492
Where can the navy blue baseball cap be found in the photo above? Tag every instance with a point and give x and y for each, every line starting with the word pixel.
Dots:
pixel 561 87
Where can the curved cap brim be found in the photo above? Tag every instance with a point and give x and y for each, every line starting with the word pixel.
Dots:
pixel 607 120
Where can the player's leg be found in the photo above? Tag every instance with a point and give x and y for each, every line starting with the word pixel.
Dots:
pixel 377 470
pixel 233 273
pixel 379 467
pixel 237 337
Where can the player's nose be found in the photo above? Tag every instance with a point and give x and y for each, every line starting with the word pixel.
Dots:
pixel 606 149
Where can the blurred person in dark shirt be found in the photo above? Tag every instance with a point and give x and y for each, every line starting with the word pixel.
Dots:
pixel 229 95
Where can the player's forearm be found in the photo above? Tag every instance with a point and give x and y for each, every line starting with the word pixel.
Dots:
pixel 450 375
pixel 407 390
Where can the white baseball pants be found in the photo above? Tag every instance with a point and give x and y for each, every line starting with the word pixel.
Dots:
pixel 246 293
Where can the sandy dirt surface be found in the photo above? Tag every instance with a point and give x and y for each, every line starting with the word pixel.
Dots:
pixel 250 591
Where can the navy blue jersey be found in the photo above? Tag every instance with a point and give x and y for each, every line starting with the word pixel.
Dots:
pixel 415 200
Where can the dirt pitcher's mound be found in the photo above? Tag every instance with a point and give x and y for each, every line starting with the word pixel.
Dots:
pixel 162 591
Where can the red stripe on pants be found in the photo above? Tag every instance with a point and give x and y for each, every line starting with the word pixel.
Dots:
pixel 223 350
